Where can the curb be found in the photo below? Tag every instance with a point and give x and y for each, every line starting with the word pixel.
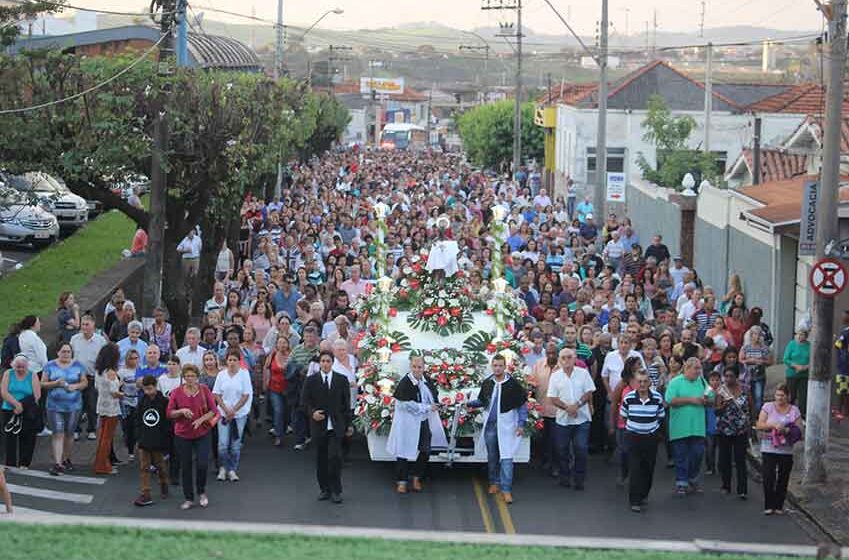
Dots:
pixel 697 546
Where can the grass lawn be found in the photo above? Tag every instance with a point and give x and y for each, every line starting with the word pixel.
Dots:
pixel 95 543
pixel 66 265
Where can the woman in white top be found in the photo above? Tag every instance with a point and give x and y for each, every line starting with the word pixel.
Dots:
pixel 346 364
pixel 225 263
pixel 233 391
pixel 32 347
pixel 109 395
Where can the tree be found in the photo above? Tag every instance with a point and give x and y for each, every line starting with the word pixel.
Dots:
pixel 487 133
pixel 675 159
pixel 228 130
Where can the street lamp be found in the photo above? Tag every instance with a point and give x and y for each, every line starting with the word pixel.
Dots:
pixel 336 11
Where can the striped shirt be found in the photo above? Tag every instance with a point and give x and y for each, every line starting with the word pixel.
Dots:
pixel 704 320
pixel 642 417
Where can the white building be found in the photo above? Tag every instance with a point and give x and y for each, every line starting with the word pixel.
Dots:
pixel 731 129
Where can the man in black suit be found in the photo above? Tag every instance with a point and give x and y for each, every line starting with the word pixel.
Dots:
pixel 326 400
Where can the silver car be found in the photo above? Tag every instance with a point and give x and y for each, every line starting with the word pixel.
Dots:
pixel 23 222
pixel 71 210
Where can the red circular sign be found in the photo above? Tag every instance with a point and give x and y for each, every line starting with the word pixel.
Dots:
pixel 828 277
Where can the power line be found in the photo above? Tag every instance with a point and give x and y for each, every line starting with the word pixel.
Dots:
pixel 95 87
pixel 83 8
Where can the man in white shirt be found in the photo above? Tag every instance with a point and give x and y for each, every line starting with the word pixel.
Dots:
pixel 355 285
pixel 218 301
pixel 570 390
pixel 190 248
pixel 87 345
pixel 614 362
pixel 678 271
pixel 689 308
pixel 192 353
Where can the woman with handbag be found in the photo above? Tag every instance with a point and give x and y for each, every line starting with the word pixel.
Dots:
pixel 732 430
pixel 192 409
pixel 780 425
pixel 21 418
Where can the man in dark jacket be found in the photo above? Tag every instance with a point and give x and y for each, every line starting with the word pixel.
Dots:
pixel 326 400
pixel 154 439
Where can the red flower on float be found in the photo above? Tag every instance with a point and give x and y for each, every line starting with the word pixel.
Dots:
pixel 395 347
pixel 393 312
pixel 526 349
pixel 490 348
pixel 381 343
pixel 490 312
pixel 442 321
pixel 455 311
pixel 387 400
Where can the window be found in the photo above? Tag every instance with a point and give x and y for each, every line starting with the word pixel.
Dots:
pixel 615 162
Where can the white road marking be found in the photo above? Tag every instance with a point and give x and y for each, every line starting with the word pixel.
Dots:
pixel 50 494
pixel 64 478
pixel 30 511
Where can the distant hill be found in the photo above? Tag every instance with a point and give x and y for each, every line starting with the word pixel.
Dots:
pixel 447 39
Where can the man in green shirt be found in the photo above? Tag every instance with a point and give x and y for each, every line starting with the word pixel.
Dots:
pixel 797 358
pixel 686 396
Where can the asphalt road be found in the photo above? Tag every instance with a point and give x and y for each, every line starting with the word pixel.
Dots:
pixel 278 486
pixel 14 254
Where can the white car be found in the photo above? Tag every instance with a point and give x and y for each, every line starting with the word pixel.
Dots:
pixel 23 222
pixel 71 210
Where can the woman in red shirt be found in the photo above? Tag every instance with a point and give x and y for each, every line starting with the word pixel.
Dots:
pixel 193 410
pixel 275 384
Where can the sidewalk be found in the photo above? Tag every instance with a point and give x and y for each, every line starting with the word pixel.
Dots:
pixel 826 504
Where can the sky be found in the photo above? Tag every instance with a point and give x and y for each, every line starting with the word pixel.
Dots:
pixel 625 15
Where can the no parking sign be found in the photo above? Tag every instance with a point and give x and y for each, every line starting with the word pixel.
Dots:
pixel 828 277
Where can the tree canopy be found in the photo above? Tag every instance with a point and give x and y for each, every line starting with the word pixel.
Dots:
pixel 487 133
pixel 228 132
pixel 675 158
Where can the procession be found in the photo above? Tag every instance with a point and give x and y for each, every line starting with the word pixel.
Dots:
pixel 438 316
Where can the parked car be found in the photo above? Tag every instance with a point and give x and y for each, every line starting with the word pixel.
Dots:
pixel 54 196
pixel 21 221
pixel 132 182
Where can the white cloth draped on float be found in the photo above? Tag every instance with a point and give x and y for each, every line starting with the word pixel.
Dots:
pixel 508 422
pixel 403 439
pixel 443 256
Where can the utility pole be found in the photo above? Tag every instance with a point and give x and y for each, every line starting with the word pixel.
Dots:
pixel 485 49
pixel 331 68
pixel 756 156
pixel 819 381
pixel 507 31
pixel 708 94
pixel 654 37
pixel 427 126
pixel 600 196
pixel 702 20
pixel 152 292
pixel 278 45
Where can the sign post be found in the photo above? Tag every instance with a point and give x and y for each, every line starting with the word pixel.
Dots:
pixel 808 226
pixel 615 187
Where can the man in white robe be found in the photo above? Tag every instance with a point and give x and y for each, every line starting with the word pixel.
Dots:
pixel 415 427
pixel 504 401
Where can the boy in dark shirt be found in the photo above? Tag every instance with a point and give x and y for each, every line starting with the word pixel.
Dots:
pixel 154 433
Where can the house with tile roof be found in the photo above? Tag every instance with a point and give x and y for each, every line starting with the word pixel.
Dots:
pixel 732 119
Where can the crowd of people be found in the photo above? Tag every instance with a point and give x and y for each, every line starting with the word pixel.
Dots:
pixel 630 350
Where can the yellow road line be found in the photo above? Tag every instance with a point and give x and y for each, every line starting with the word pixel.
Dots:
pixel 504 512
pixel 481 498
